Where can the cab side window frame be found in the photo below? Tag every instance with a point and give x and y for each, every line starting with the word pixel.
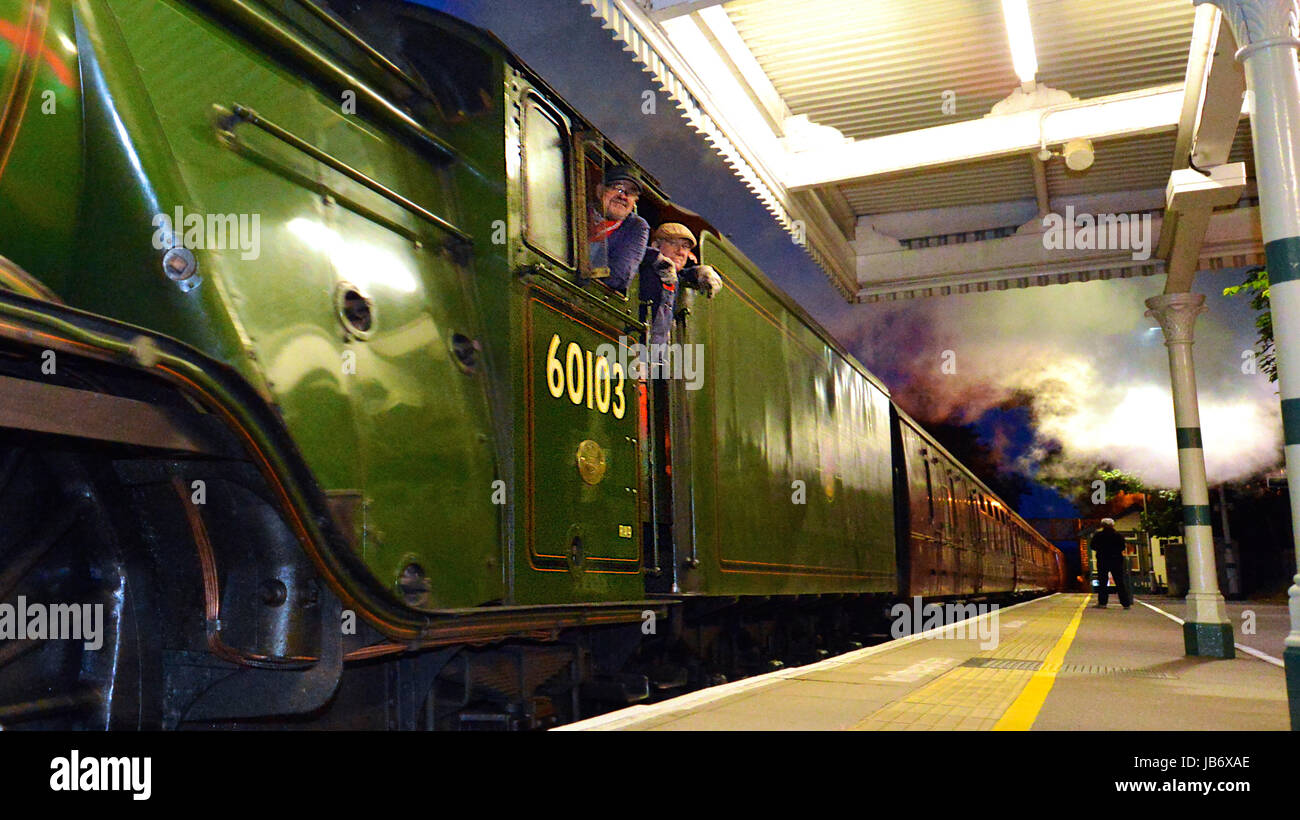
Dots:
pixel 590 150
pixel 536 112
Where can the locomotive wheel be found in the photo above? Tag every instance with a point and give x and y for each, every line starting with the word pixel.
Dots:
pixel 59 545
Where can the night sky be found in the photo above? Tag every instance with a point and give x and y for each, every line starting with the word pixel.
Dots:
pixel 1073 366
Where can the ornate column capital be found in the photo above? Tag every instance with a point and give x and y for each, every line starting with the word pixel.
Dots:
pixel 1258 23
pixel 1177 314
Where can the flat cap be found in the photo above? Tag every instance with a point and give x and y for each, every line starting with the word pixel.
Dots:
pixel 673 230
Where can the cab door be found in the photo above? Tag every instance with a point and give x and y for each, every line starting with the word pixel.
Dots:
pixel 581 472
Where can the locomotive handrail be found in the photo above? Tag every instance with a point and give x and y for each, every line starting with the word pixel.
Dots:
pixel 376 56
pixel 243 113
pixel 325 69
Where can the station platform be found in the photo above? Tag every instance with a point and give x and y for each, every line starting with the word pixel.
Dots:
pixel 1054 663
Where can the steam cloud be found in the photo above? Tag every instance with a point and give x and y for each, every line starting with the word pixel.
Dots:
pixel 1090 368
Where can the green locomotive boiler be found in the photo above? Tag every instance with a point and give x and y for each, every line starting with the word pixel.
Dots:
pixel 311 401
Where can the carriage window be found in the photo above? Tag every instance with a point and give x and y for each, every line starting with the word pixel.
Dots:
pixel 929 487
pixel 546 188
pixel 952 505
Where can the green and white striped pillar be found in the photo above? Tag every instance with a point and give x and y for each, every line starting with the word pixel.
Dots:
pixel 1266 40
pixel 1206 630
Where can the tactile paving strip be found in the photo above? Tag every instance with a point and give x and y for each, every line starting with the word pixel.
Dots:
pixel 1113 671
pixel 975 695
pixel 1004 663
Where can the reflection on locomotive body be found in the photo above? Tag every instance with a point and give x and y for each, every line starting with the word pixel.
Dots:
pixel 366 451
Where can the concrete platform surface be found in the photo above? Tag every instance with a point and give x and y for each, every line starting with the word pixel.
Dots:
pixel 1055 663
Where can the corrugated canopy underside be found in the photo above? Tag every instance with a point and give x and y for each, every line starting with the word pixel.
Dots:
pixel 875 67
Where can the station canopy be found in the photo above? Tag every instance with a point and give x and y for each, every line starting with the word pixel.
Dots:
pixel 927 147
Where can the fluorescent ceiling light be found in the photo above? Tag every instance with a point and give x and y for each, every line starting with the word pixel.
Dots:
pixel 1021 38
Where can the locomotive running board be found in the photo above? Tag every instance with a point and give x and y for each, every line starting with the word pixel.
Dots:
pixel 542 622
pixel 48 408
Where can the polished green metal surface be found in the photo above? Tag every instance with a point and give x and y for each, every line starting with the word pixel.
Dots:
pixel 790 448
pixel 43 122
pixel 357 253
pixel 398 417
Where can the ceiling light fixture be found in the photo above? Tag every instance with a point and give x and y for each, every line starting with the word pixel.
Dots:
pixel 1021 38
pixel 1078 154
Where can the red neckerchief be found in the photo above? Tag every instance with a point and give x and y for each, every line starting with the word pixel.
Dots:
pixel 600 229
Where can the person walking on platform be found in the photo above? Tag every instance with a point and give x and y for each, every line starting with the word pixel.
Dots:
pixel 1109 546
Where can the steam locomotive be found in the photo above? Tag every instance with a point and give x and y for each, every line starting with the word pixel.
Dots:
pixel 311 405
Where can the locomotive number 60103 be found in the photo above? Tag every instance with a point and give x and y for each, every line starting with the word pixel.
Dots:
pixel 585 378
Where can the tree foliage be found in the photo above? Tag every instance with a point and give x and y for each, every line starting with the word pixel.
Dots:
pixel 1118 481
pixel 1256 285
pixel 1163 514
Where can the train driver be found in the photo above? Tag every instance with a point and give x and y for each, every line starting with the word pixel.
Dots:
pixel 617 235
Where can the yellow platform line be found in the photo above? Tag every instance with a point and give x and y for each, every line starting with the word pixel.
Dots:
pixel 1022 713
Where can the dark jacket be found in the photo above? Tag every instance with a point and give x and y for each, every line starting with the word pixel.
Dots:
pixel 1107 543
pixel 621 251
pixel 658 286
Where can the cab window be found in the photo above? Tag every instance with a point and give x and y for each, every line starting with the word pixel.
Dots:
pixel 547 218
